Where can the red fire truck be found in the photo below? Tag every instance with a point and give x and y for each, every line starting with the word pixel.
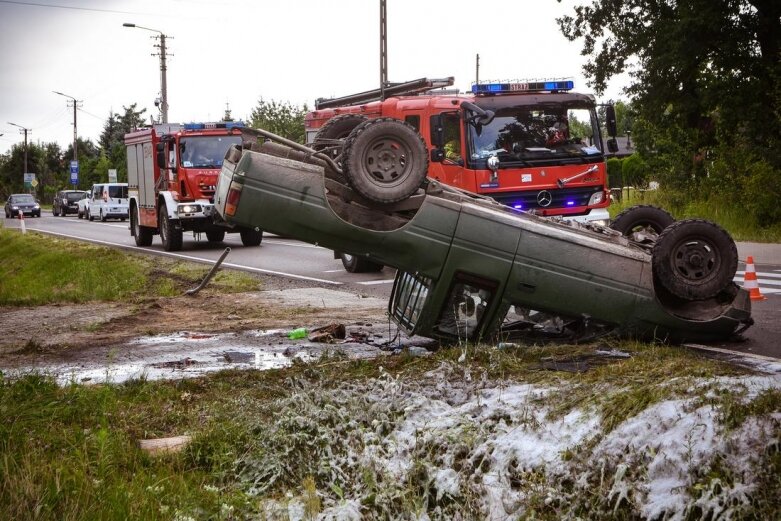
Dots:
pixel 172 172
pixel 534 146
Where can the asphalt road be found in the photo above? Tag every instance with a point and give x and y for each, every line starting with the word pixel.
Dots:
pixel 289 258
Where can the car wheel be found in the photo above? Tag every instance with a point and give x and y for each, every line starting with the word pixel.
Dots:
pixel 102 217
pixel 142 234
pixel 89 215
pixel 694 259
pixel 385 160
pixel 215 235
pixel 251 237
pixel 355 264
pixel 80 215
pixel 642 223
pixel 55 212
pixel 170 233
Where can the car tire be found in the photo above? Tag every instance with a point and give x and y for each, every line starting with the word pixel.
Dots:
pixel 356 264
pixel 694 259
pixel 170 233
pixel 215 235
pixel 89 216
pixel 142 234
pixel 251 237
pixel 642 223
pixel 102 216
pixel 385 160
pixel 80 215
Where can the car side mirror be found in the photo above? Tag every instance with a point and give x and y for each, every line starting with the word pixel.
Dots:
pixel 610 115
pixel 612 145
pixel 437 155
pixel 437 131
pixel 160 149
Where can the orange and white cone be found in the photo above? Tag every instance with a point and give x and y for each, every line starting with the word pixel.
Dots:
pixel 21 222
pixel 750 282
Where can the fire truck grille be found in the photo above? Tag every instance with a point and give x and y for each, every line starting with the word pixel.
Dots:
pixel 548 199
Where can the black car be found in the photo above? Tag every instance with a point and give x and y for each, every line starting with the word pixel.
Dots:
pixel 66 201
pixel 24 203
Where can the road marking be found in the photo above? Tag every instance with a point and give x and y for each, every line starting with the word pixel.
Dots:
pixel 764 279
pixel 373 282
pixel 333 271
pixel 196 259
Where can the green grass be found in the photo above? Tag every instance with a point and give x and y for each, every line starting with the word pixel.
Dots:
pixel 37 269
pixel 71 452
pixel 730 217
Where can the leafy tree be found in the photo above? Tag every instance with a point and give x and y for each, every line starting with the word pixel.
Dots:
pixel 117 125
pixel 691 60
pixel 281 118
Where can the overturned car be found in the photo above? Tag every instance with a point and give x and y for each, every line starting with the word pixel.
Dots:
pixel 472 269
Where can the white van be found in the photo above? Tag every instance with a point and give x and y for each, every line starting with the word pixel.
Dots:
pixel 107 201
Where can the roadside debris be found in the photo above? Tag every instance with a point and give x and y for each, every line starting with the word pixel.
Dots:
pixel 160 446
pixel 328 334
pixel 299 332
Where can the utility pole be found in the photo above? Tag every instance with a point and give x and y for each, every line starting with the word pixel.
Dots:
pixel 163 68
pixel 24 131
pixel 383 49
pixel 75 105
pixel 477 68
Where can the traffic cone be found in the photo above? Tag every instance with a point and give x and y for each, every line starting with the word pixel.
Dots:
pixel 21 221
pixel 750 281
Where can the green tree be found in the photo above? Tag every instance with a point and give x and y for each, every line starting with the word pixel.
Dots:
pixel 691 60
pixel 281 118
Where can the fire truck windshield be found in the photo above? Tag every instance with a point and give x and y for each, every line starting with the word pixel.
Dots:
pixel 205 151
pixel 544 134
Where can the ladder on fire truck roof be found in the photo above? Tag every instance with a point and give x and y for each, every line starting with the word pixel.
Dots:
pixel 407 88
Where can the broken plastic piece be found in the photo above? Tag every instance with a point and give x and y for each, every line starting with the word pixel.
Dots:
pixel 299 332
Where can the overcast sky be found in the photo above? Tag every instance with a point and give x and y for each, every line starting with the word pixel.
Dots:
pixel 237 51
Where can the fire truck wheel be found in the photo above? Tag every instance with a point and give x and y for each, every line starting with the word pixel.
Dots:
pixel 694 259
pixel 642 223
pixel 251 237
pixel 170 234
pixel 142 234
pixel 385 160
pixel 215 235
pixel 355 264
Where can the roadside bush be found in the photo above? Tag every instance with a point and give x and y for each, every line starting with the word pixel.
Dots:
pixel 635 171
pixel 614 174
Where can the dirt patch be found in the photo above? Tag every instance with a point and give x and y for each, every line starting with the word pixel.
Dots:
pixel 97 333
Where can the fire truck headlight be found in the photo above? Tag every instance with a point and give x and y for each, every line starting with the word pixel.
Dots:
pixel 596 198
pixel 189 208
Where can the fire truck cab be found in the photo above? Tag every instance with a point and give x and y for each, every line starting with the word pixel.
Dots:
pixel 172 173
pixel 534 146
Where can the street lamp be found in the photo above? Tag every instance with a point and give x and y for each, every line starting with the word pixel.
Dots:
pixel 75 105
pixel 23 131
pixel 163 81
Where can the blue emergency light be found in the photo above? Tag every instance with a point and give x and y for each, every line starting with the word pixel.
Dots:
pixel 221 124
pixel 519 87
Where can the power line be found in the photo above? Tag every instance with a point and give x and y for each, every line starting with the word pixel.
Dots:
pixel 74 8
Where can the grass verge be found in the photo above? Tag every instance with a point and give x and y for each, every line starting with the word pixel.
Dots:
pixel 393 438
pixel 37 269
pixel 729 216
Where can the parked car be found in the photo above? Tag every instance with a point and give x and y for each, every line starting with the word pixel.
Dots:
pixel 108 201
pixel 471 269
pixel 82 205
pixel 22 203
pixel 66 201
